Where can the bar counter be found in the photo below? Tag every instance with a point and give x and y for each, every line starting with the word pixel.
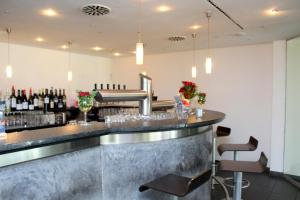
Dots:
pixel 105 161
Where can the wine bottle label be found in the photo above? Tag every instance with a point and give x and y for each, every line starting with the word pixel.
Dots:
pixel 7 103
pixel 46 99
pixel 52 104
pixel 35 102
pixel 31 107
pixel 55 100
pixel 25 105
pixel 13 102
pixel 19 106
pixel 60 105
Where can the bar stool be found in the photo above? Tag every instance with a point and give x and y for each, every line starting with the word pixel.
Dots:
pixel 220 132
pixel 176 185
pixel 250 146
pixel 239 167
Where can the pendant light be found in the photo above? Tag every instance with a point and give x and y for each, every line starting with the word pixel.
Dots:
pixel 9 71
pixel 194 67
pixel 70 73
pixel 208 60
pixel 139 45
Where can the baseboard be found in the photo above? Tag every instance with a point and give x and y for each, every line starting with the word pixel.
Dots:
pixel 276 174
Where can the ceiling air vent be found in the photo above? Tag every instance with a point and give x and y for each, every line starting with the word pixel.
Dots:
pixel 95 9
pixel 176 38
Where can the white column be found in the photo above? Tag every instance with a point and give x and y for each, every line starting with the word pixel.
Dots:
pixel 278 106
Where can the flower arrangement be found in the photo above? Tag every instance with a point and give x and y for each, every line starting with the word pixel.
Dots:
pixel 201 98
pixel 85 100
pixel 188 91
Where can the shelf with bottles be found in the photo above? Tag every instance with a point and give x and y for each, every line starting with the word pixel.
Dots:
pixel 20 120
pixel 54 101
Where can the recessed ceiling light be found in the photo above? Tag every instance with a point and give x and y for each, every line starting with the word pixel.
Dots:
pixel 117 54
pixel 64 46
pixel 195 27
pixel 273 12
pixel 39 39
pixel 163 8
pixel 97 48
pixel 49 12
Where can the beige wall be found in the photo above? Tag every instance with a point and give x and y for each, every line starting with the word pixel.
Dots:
pixel 240 86
pixel 40 68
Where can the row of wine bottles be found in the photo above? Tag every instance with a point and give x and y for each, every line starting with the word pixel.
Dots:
pixel 55 100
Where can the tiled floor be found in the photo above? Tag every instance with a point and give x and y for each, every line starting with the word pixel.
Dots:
pixel 263 187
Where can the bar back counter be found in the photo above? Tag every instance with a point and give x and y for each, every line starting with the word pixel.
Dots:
pixel 105 161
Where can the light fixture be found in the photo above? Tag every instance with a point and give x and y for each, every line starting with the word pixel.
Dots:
pixel 144 73
pixel 195 27
pixel 117 54
pixel 97 48
pixel 208 60
pixel 273 12
pixel 70 73
pixel 139 55
pixel 9 71
pixel 194 68
pixel 163 8
pixel 39 39
pixel 49 12
pixel 64 46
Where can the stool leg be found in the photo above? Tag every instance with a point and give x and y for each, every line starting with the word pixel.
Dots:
pixel 237 191
pixel 214 157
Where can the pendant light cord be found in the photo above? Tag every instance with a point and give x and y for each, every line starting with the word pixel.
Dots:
pixel 208 15
pixel 69 55
pixel 194 48
pixel 8 30
pixel 140 22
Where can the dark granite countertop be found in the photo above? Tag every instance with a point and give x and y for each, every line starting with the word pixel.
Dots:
pixel 17 141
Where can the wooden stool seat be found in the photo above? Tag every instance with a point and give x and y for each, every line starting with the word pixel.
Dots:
pixel 250 146
pixel 176 185
pixel 238 167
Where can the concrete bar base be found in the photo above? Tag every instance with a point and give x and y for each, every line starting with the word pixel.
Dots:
pixel 109 172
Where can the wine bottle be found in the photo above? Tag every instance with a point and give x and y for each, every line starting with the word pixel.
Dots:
pixel 46 101
pixel 35 101
pixel 101 86
pixel 119 87
pixel 95 87
pixel 55 99
pixel 51 99
pixel 41 99
pixel 107 86
pixel 30 100
pixel 19 106
pixel 13 99
pixel 60 101
pixel 64 100
pixel 114 86
pixel 7 101
pixel 24 100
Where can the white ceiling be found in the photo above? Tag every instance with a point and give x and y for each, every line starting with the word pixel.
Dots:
pixel 117 31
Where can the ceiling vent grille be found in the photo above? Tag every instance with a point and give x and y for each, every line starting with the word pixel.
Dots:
pixel 95 9
pixel 176 38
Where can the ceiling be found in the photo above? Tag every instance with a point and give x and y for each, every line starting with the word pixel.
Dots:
pixel 117 31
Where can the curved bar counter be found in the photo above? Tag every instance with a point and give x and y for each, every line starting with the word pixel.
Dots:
pixel 105 161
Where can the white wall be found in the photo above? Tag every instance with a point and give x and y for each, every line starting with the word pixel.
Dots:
pixel 278 105
pixel 240 86
pixel 292 133
pixel 43 68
